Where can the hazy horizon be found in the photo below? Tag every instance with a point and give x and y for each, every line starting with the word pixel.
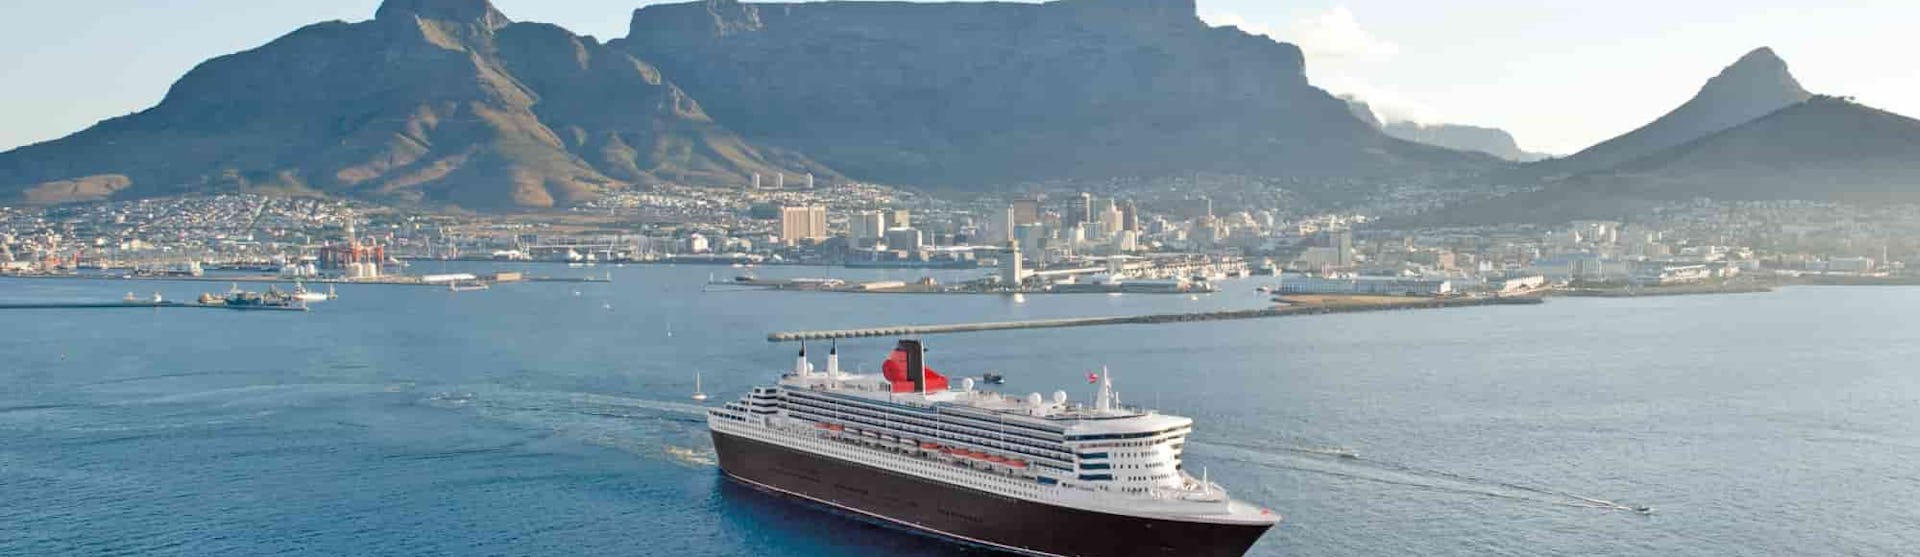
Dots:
pixel 1559 78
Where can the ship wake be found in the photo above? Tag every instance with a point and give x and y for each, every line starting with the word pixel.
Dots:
pixel 1346 463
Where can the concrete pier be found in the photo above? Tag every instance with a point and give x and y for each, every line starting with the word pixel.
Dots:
pixel 1280 311
pixel 140 305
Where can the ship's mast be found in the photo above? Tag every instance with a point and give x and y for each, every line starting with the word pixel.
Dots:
pixel 833 362
pixel 1104 400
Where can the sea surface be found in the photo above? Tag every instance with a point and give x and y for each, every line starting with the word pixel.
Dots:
pixel 554 419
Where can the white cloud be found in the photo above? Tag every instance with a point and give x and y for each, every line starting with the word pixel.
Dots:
pixel 1335 37
pixel 1339 53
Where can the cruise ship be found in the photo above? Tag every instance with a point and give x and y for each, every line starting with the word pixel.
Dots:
pixel 1027 475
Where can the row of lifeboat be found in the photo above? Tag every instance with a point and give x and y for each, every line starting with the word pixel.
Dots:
pixel 936 448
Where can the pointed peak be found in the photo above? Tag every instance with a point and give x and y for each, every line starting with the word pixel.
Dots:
pixel 1760 72
pixel 478 12
pixel 1762 55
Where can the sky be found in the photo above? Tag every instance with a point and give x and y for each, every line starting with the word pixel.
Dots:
pixel 1559 75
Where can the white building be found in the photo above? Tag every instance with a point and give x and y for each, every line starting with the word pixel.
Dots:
pixel 867 226
pixel 803 224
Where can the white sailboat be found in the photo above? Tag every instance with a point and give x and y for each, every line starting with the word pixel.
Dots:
pixel 698 394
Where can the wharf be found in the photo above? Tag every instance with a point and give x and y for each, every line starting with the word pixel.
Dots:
pixel 142 305
pixel 1317 308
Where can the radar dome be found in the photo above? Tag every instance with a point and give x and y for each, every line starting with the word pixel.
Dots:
pixel 1033 400
pixel 1059 398
pixel 966 385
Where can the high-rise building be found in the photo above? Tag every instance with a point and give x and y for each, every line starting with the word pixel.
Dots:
pixel 1342 242
pixel 1110 220
pixel 1004 226
pixel 803 224
pixel 904 238
pixel 1079 211
pixel 867 226
pixel 1026 210
pixel 899 218
pixel 1129 216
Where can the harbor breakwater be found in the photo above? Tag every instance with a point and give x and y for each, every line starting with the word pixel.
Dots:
pixel 1152 319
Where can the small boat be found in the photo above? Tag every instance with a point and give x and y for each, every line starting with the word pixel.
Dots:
pixel 301 293
pixel 456 286
pixel 993 378
pixel 698 394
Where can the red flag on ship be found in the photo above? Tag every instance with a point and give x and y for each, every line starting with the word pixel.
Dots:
pixel 1093 377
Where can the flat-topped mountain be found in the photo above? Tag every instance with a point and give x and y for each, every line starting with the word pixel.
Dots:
pixel 967 93
pixel 432 101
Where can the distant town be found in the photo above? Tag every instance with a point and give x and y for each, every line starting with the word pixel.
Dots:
pixel 1143 241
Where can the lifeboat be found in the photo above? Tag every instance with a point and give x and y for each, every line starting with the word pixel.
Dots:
pixel 929 446
pixel 977 455
pixel 1017 463
pixel 996 459
pixel 836 427
pixel 823 426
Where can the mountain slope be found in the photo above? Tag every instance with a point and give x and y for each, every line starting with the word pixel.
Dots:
pixel 1755 85
pixel 1824 149
pixel 968 93
pixel 1458 137
pixel 434 101
pixel 1461 137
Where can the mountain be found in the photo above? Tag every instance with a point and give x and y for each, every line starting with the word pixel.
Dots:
pixel 1460 137
pixel 968 94
pixel 432 101
pixel 1755 85
pixel 1823 149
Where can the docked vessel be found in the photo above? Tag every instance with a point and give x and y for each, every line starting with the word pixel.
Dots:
pixel 272 299
pixel 1028 475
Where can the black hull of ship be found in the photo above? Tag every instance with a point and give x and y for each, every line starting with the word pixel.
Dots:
pixel 972 516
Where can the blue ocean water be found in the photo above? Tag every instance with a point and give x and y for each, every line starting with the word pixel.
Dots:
pixel 553 419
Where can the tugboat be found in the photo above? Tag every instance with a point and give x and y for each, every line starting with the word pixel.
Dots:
pixel 993 378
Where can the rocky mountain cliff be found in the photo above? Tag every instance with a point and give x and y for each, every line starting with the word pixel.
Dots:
pixel 1755 85
pixel 432 101
pixel 971 94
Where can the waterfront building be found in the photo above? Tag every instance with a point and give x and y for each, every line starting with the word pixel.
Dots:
pixel 904 238
pixel 803 224
pixel 1011 274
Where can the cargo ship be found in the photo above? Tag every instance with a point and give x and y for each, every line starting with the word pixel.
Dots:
pixel 1026 475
